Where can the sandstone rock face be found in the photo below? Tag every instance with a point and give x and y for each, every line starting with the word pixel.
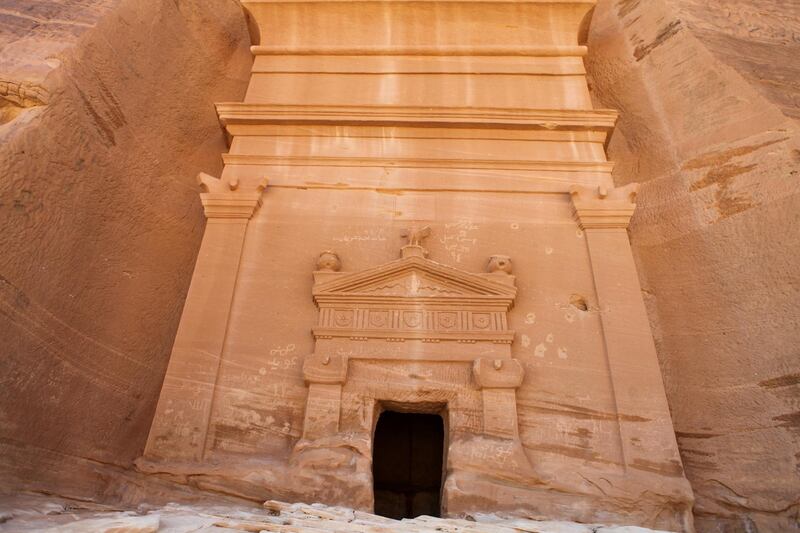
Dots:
pixel 32 36
pixel 759 39
pixel 108 115
pixel 707 93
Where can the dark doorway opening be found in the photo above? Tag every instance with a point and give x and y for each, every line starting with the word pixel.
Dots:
pixel 407 464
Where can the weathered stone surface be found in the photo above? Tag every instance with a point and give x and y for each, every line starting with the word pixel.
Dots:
pixel 760 39
pixel 101 220
pixel 27 514
pixel 706 93
pixel 32 36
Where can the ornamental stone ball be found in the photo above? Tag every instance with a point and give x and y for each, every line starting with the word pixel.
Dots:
pixel 499 263
pixel 329 261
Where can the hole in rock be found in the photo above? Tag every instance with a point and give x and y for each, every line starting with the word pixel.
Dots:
pixel 579 302
pixel 407 462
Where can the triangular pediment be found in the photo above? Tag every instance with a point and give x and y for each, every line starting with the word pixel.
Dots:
pixel 415 277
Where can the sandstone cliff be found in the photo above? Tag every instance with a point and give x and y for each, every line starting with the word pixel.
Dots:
pixel 106 115
pixel 107 111
pixel 709 96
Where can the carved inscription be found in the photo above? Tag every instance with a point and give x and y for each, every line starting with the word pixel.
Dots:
pixel 501 455
pixel 457 239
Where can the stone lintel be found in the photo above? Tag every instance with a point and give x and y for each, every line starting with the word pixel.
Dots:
pixel 255 114
pixel 602 208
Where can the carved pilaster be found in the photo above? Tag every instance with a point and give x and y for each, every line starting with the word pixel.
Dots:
pixel 180 426
pixel 498 380
pixel 327 369
pixel 603 208
pixel 604 215
pixel 324 375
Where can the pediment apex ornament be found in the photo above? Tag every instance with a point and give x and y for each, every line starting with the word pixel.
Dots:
pixel 499 264
pixel 329 261
pixel 224 199
pixel 604 208
pixel 415 236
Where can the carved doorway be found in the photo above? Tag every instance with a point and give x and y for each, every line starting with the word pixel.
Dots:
pixel 408 454
pixel 410 336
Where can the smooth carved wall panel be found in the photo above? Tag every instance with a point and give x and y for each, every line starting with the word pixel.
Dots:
pixel 439 234
pixel 458 89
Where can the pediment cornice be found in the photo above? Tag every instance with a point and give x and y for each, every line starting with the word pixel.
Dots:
pixel 414 298
pixel 417 279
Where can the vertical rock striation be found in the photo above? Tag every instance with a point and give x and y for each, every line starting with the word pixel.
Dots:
pixel 107 116
pixel 708 100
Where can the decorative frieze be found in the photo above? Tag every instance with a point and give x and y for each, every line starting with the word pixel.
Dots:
pixel 415 298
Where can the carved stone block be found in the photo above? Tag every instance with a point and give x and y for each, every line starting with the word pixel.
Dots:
pixel 498 373
pixel 328 369
pixel 322 411
pixel 500 413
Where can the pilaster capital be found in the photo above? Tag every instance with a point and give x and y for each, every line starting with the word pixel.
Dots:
pixel 603 208
pixel 498 373
pixel 325 369
pixel 223 199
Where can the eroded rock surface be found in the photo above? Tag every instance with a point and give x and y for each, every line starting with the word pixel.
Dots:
pixel 760 39
pixel 108 116
pixel 28 514
pixel 707 93
pixel 32 36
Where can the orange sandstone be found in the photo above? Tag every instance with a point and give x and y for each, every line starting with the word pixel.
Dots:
pixel 511 308
pixel 371 122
